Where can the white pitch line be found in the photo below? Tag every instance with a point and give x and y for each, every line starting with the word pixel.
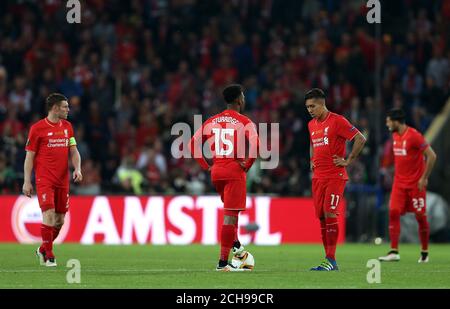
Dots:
pixel 118 270
pixel 59 270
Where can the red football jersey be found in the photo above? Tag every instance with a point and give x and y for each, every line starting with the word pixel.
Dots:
pixel 328 138
pixel 50 142
pixel 226 134
pixel 409 161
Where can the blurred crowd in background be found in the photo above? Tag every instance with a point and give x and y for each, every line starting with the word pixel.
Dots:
pixel 131 69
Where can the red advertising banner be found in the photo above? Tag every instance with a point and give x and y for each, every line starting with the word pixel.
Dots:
pixel 164 220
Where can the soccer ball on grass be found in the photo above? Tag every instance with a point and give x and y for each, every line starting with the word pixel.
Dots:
pixel 245 261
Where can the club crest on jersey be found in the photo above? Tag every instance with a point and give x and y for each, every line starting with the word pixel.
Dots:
pixel 325 132
pixel 66 133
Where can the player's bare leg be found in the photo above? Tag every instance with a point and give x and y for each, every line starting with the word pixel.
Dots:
pixel 424 234
pixel 45 251
pixel 394 233
pixel 331 236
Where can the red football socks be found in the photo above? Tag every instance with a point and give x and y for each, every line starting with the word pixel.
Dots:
pixel 236 229
pixel 55 232
pixel 424 231
pixel 323 231
pixel 332 230
pixel 228 235
pixel 47 240
pixel 394 229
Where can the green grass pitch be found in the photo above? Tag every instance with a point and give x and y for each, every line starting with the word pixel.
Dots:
pixel 285 266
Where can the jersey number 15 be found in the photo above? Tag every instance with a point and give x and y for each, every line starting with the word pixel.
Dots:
pixel 220 140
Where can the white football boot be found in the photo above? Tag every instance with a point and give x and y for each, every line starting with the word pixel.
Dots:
pixel 50 262
pixel 392 256
pixel 40 256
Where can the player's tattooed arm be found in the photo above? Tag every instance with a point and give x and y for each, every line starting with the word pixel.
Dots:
pixel 358 144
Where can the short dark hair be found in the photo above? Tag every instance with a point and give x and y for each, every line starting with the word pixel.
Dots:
pixel 232 92
pixel 315 93
pixel 54 98
pixel 397 114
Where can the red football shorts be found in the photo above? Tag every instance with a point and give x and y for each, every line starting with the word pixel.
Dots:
pixel 327 195
pixel 51 197
pixel 408 200
pixel 233 193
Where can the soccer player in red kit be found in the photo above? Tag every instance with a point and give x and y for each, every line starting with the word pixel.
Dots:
pixel 226 134
pixel 50 142
pixel 329 133
pixel 410 181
